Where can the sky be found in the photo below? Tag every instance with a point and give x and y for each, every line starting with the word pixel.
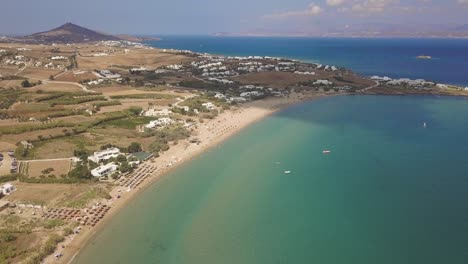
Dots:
pixel 238 16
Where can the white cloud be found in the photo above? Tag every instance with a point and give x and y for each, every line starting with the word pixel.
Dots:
pixel 312 10
pixel 335 2
pixel 372 6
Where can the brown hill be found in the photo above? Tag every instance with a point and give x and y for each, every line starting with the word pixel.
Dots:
pixel 69 33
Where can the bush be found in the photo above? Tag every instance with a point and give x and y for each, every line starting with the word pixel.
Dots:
pixel 134 147
pixel 26 84
pixel 135 110
pixel 7 178
pixel 7 237
pixel 81 171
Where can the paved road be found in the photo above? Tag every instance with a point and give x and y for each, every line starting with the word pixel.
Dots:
pixel 370 87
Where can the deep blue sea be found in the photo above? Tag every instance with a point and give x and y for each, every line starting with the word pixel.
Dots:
pixel 395 58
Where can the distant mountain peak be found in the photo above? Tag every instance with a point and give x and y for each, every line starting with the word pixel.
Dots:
pixel 70 32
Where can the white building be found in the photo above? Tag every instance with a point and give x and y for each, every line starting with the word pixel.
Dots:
pixel 209 105
pixel 95 82
pixel 237 99
pixel 102 54
pixel 323 82
pixel 383 79
pixel 7 189
pixel 154 112
pixel 223 81
pixel 251 94
pixel 304 73
pixel 108 74
pixel 175 67
pixel 220 96
pixel 138 70
pixel 104 170
pixel 164 121
pixel 104 155
pixel 58 58
pixel 160 71
pixel 417 82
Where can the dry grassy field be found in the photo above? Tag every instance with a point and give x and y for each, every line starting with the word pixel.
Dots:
pixel 57 87
pixel 38 73
pixel 5 146
pixel 8 70
pixel 150 58
pixel 58 148
pixel 37 168
pixel 47 194
pixel 10 83
pixel 284 79
pixel 32 135
pixel 73 77
pixel 8 122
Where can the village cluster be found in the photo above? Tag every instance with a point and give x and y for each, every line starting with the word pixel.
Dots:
pixel 209 66
pixel 19 58
pixel 417 83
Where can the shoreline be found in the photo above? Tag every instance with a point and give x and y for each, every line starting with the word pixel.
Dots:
pixel 210 134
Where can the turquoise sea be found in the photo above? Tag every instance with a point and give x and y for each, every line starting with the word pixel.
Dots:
pixel 391 191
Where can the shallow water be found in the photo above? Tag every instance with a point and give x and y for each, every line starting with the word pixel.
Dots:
pixel 391 191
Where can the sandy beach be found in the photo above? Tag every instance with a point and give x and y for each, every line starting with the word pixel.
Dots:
pixel 210 134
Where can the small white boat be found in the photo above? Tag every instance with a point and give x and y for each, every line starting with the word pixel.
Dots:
pixel 326 152
pixel 424 125
pixel 287 172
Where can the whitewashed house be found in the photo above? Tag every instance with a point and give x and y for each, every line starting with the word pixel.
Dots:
pixel 381 79
pixel 161 122
pixel 7 189
pixel 58 58
pixel 154 112
pixel 220 96
pixel 323 82
pixel 108 74
pixel 104 155
pixel 209 105
pixel 104 170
